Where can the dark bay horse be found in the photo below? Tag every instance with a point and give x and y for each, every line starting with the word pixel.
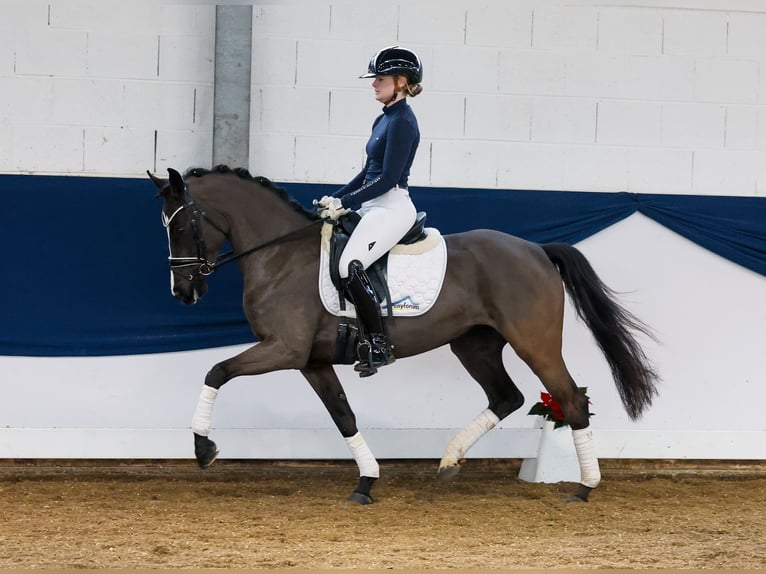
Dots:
pixel 498 290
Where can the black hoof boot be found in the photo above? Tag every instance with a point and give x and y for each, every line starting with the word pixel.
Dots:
pixel 580 495
pixel 362 493
pixel 205 451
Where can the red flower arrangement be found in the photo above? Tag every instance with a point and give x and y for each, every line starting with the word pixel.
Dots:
pixel 550 410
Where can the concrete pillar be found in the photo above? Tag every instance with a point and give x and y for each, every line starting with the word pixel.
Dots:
pixel 233 45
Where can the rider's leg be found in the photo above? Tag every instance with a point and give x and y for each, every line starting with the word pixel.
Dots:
pixel 376 351
pixel 384 222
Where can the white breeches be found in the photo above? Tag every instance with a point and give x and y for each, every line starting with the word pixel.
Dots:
pixel 385 220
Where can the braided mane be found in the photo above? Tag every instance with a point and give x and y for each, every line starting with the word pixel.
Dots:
pixel 243 173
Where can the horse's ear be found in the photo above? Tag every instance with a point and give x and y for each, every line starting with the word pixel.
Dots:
pixel 157 181
pixel 177 186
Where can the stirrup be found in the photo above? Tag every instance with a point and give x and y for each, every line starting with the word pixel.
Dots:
pixel 373 354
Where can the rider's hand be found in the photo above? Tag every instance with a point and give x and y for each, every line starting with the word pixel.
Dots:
pixel 335 209
pixel 324 203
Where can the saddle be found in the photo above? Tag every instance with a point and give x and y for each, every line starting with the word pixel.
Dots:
pixel 342 230
pixel 348 332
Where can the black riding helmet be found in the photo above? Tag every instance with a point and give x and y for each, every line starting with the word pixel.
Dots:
pixel 395 61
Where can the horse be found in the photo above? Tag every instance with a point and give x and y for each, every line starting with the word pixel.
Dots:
pixel 498 290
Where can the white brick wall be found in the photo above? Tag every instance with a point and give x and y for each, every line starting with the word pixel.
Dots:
pixel 86 87
pixel 534 94
pixel 654 97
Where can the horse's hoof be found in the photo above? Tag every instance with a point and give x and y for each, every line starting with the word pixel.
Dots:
pixel 205 451
pixel 580 495
pixel 447 473
pixel 360 498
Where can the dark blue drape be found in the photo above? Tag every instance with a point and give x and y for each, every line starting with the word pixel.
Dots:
pixel 85 259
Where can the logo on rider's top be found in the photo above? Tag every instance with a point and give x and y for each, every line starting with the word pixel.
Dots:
pixel 405 304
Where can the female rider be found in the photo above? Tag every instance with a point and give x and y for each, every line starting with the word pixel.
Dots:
pixel 379 194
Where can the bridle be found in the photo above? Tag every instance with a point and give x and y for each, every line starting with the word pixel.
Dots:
pixel 204 266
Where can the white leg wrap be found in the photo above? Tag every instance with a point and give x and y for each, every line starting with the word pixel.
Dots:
pixel 590 475
pixel 362 454
pixel 467 437
pixel 204 412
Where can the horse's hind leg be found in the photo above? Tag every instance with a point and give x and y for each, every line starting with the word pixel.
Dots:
pixel 546 362
pixel 325 383
pixel 480 350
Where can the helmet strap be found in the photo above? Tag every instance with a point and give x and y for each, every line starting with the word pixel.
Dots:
pixel 397 91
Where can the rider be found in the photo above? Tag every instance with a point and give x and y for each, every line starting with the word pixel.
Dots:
pixel 379 194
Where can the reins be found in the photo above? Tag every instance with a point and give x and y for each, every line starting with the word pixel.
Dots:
pixel 230 256
pixel 206 267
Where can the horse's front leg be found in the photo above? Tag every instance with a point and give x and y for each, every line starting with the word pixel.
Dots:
pixel 265 357
pixel 326 384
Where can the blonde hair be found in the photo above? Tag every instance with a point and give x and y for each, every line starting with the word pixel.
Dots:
pixel 411 89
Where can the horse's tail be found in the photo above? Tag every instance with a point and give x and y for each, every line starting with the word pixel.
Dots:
pixel 612 326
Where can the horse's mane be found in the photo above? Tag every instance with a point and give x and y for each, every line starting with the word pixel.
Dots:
pixel 243 173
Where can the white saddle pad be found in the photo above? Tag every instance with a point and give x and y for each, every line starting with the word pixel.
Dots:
pixel 415 276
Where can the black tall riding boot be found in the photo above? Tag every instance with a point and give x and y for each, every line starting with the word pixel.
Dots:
pixel 373 349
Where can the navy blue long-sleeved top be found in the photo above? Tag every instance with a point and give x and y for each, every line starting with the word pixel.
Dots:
pixel 390 152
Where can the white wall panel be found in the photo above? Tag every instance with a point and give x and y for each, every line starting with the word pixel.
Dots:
pixel 726 81
pixel 47 148
pixel 629 123
pixel 181 149
pixel 88 102
pixel 431 23
pixel 187 58
pixel 26 100
pixel 322 63
pixel 122 55
pixel 519 166
pixel 87 15
pixel 274 154
pixel 564 120
pixel 352 112
pixel 354 21
pixel 693 125
pixel 294 110
pixel 441 115
pixel 564 28
pixel 497 117
pixel 125 150
pixel 695 32
pixel 274 61
pixel 7 53
pixel 5 144
pixel 316 158
pixel 464 164
pixel 625 31
pixel 660 171
pixel 720 172
pixel 538 73
pixel 746 38
pixel 743 124
pixel 668 78
pixel 600 75
pixel 52 52
pixel 465 69
pixel 292 19
pixel 596 168
pixel 157 106
pixel 499 24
